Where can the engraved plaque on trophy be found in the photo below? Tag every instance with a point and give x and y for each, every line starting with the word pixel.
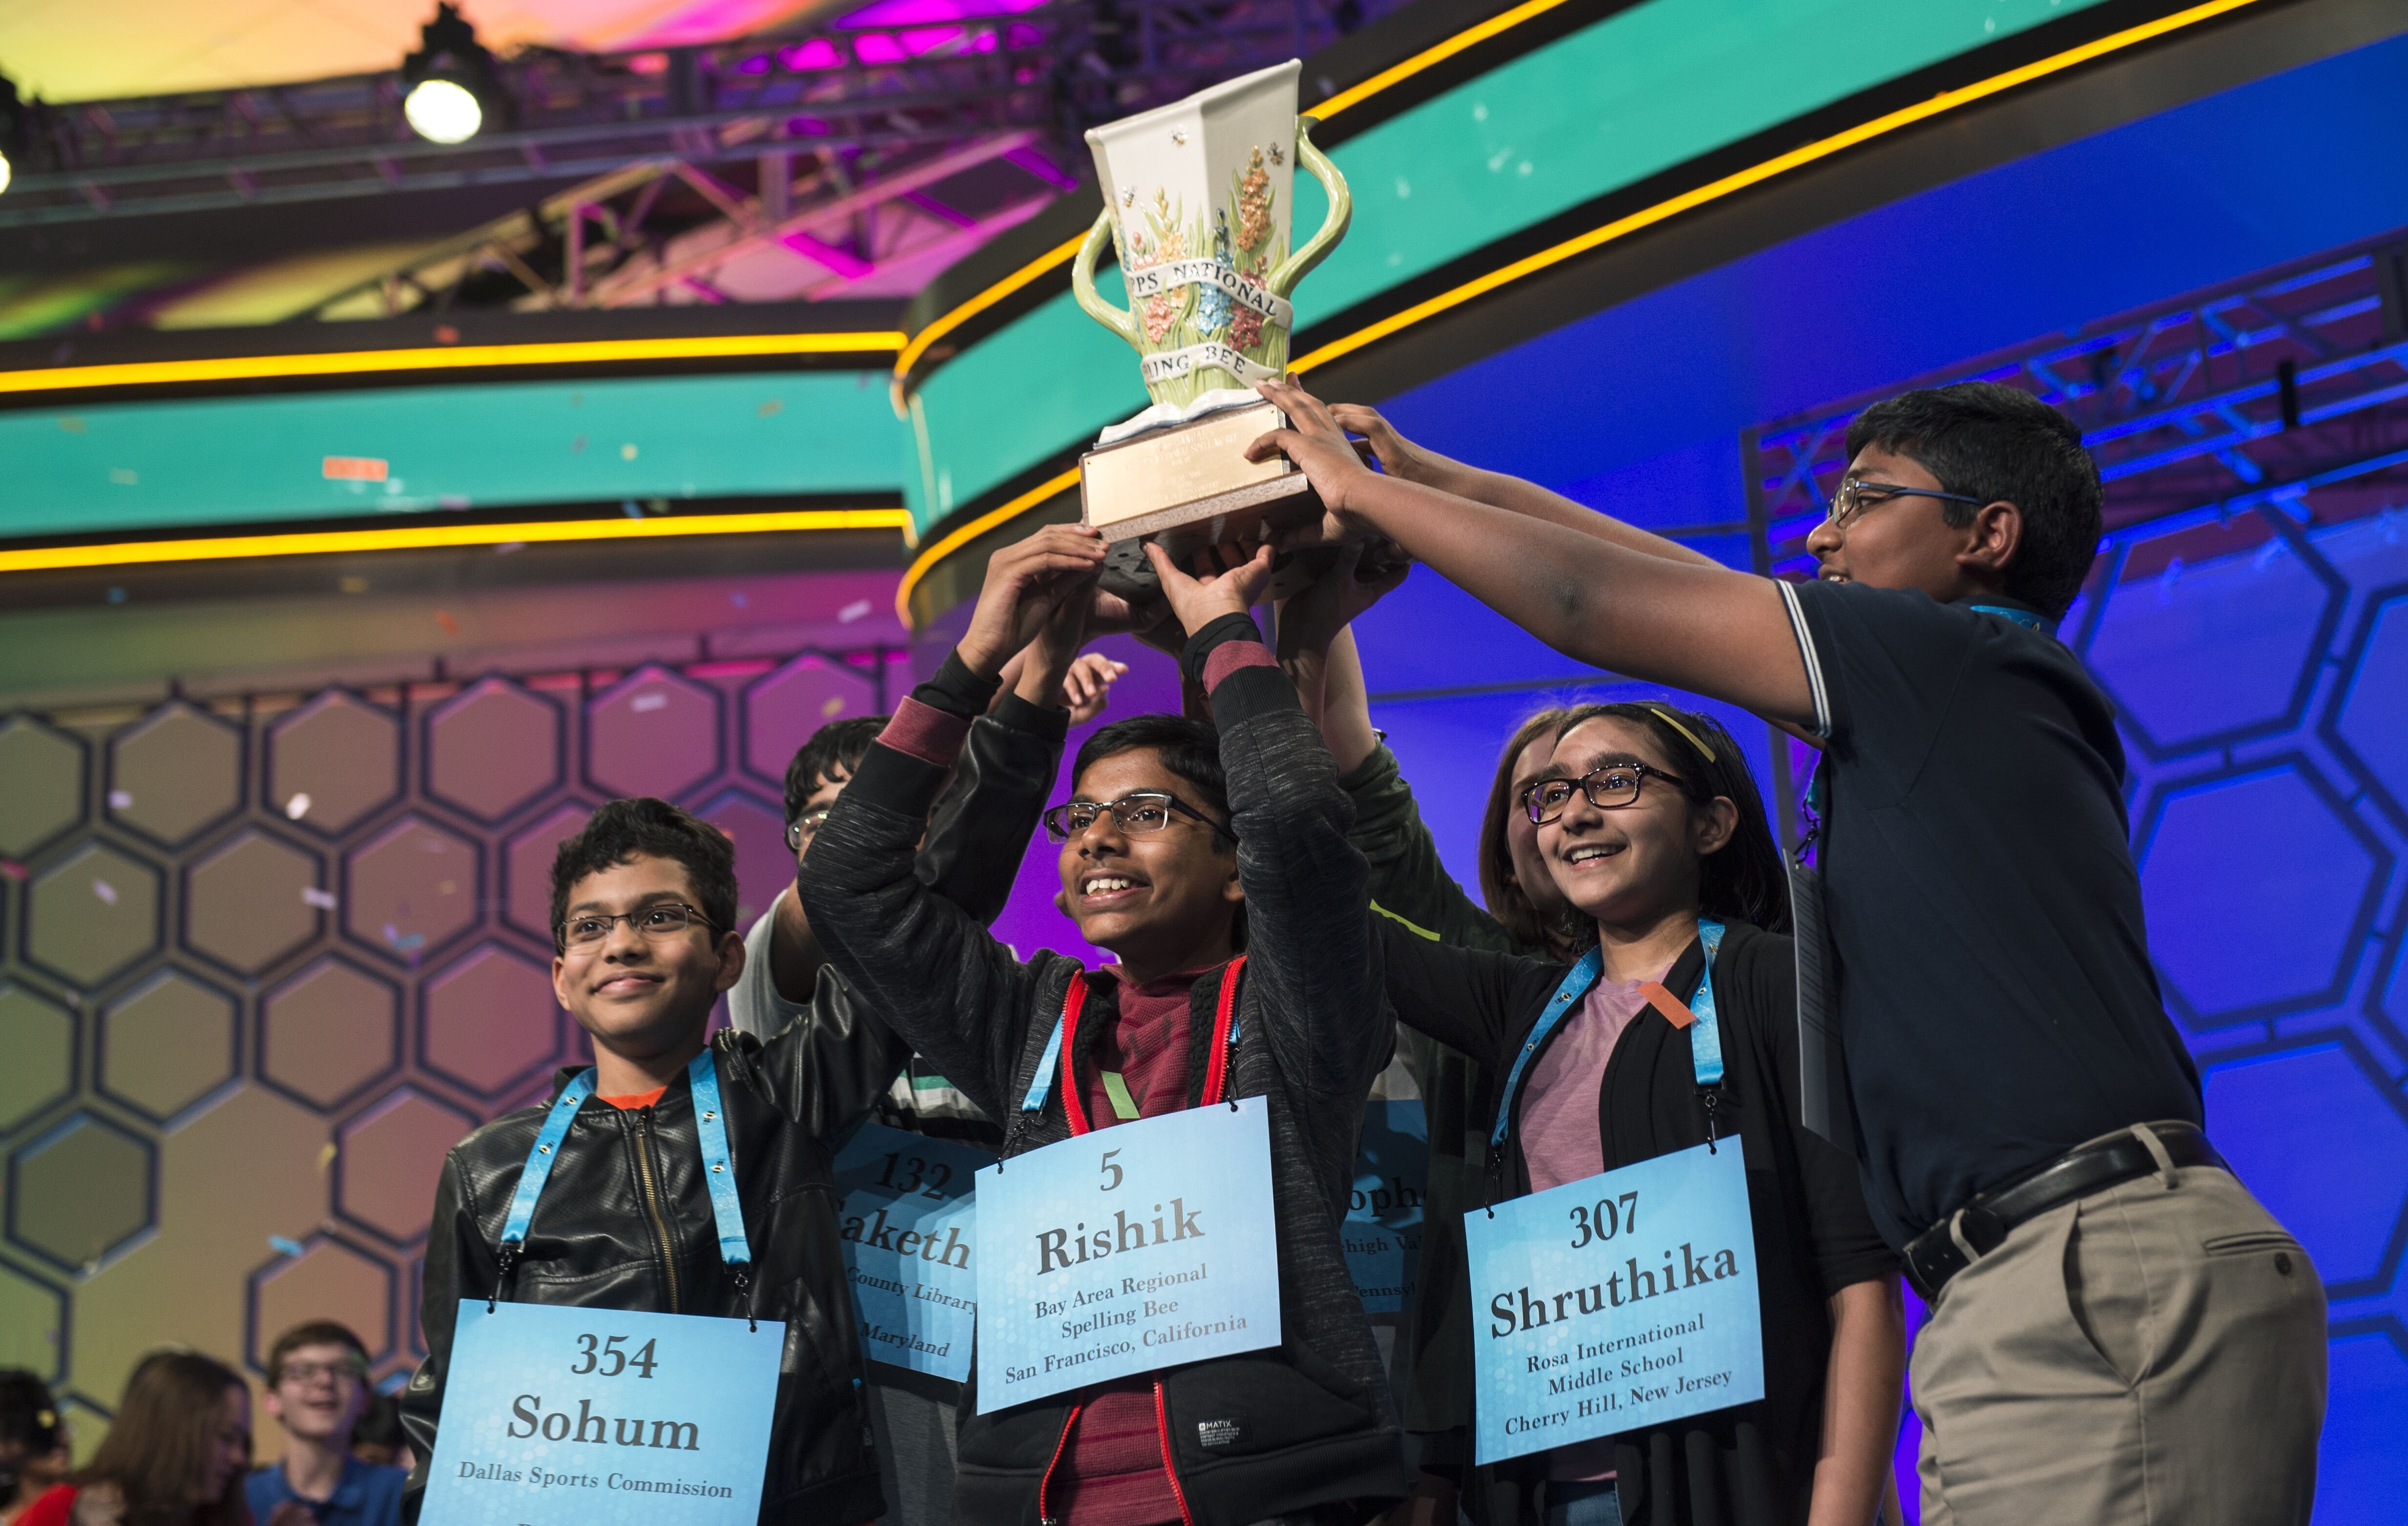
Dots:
pixel 1197 207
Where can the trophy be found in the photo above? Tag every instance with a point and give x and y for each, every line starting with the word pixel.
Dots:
pixel 1196 204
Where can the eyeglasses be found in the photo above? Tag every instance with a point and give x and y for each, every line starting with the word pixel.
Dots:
pixel 1609 789
pixel 805 827
pixel 660 919
pixel 309 1372
pixel 1140 814
pixel 1855 496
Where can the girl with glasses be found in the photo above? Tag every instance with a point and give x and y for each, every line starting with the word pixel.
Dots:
pixel 1617 828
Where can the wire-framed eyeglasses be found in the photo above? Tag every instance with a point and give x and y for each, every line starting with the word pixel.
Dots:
pixel 1609 787
pixel 1138 813
pixel 1855 496
pixel 660 919
pixel 803 828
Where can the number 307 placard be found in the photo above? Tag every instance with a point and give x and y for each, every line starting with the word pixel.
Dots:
pixel 583 1417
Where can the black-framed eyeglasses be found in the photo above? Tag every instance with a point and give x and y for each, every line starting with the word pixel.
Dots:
pixel 660 919
pixel 1140 813
pixel 805 827
pixel 1855 496
pixel 1609 787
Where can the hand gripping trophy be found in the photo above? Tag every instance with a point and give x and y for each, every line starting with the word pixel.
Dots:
pixel 1197 202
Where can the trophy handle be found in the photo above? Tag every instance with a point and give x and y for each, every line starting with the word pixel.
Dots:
pixel 1333 227
pixel 1082 284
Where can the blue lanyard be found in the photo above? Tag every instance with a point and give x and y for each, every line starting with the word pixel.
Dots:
pixel 1040 1086
pixel 2024 618
pixel 1705 1034
pixel 710 1125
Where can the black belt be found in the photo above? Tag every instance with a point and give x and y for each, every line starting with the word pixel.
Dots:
pixel 1932 1257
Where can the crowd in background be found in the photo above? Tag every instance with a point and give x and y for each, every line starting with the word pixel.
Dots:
pixel 178 1451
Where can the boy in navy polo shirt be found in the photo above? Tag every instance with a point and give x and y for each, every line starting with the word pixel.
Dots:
pixel 2119 1332
pixel 316 1389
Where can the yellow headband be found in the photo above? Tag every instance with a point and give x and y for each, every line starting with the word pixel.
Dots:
pixel 1666 716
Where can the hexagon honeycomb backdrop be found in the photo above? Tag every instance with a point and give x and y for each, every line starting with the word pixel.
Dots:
pixel 262 962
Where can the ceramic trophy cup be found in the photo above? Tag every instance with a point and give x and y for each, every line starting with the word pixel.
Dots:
pixel 1197 202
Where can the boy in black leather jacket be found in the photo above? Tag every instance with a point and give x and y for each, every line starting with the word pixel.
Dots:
pixel 643 906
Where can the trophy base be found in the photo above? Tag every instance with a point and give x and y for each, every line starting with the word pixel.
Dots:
pixel 1190 487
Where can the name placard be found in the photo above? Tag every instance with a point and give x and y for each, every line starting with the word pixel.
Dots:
pixel 588 1416
pixel 1614 1303
pixel 1142 1246
pixel 1383 1232
pixel 909 1228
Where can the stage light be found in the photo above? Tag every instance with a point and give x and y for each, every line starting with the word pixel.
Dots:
pixel 442 111
pixel 448 83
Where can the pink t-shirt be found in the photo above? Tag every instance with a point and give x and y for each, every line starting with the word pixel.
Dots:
pixel 1560 1141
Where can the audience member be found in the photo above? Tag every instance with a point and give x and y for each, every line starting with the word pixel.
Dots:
pixel 317 1390
pixel 33 1442
pixel 174 1456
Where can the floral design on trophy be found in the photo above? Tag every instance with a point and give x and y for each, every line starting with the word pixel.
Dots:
pixel 1197 202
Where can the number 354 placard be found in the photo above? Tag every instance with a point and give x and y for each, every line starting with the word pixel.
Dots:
pixel 584 1416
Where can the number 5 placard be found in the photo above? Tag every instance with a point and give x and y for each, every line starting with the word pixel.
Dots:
pixel 585 1416
pixel 1614 1303
pixel 1146 1245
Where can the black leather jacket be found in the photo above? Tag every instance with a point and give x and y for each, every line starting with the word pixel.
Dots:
pixel 625 1220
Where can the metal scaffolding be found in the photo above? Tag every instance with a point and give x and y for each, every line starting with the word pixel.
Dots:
pixel 830 93
pixel 2284 394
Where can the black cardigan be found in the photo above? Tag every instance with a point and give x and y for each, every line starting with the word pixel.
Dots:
pixel 1751 1463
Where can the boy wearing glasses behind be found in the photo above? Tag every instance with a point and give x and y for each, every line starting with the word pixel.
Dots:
pixel 643 906
pixel 1212 865
pixel 316 1388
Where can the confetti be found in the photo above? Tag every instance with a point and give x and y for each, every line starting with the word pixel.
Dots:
pixel 13 869
pixel 106 891
pixel 402 942
pixel 284 1246
pixel 296 807
pixel 627 452
pixel 646 702
pixel 831 707
pixel 507 547
pixel 450 626
pixel 120 800
pixel 739 600
pixel 312 896
pixel 857 609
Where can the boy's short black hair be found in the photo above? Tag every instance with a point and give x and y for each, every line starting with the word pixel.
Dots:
pixel 1187 747
pixel 838 745
pixel 1997 443
pixel 624 828
pixel 316 1332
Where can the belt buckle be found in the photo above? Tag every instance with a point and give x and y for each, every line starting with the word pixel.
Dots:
pixel 1981 1229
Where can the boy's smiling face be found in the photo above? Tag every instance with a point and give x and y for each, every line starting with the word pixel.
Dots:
pixel 1161 901
pixel 643 997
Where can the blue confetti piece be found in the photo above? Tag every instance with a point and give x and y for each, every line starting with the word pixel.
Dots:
pixel 284 1246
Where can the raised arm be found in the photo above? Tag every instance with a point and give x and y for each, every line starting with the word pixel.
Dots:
pixel 1307 889
pixel 1401 458
pixel 928 969
pixel 1467 999
pixel 1700 627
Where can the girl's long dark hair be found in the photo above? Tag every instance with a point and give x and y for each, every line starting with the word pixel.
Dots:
pixel 165 1427
pixel 1507 900
pixel 1745 880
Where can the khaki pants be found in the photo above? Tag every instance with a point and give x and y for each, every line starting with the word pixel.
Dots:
pixel 2153 1353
